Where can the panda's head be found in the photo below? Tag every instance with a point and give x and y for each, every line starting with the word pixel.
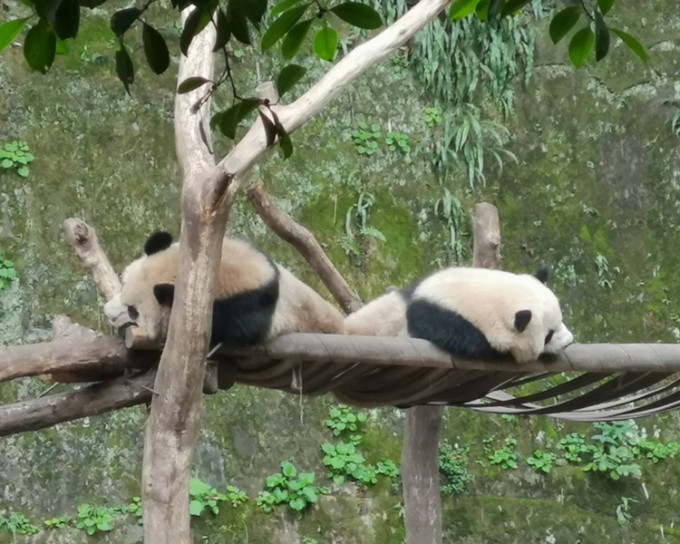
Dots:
pixel 148 288
pixel 539 327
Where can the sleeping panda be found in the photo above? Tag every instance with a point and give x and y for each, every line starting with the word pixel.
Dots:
pixel 471 313
pixel 256 299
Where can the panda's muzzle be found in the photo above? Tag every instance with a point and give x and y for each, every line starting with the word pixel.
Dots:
pixel 118 313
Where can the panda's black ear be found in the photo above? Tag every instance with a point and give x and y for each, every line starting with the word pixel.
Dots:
pixel 164 293
pixel 522 319
pixel 158 241
pixel 542 274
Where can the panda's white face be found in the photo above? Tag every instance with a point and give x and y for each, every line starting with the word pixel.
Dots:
pixel 137 304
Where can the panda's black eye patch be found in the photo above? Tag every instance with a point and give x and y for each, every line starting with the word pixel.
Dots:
pixel 548 338
pixel 133 313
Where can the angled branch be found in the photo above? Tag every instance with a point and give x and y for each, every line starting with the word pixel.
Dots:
pixel 305 242
pixel 99 398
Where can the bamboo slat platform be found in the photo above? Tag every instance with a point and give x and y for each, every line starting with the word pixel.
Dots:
pixel 587 382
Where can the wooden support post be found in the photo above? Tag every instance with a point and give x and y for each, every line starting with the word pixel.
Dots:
pixel 422 425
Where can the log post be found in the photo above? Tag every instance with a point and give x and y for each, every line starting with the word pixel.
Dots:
pixel 422 425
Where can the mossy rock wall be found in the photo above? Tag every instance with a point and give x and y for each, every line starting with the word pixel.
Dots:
pixel 594 193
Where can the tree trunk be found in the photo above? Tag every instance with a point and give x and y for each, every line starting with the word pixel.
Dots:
pixel 422 424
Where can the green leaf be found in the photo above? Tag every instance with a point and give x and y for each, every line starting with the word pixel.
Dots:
pixel 462 8
pixel 122 20
pixel 563 22
pixel 198 487
pixel 195 22
pixel 67 19
pixel 358 14
pixel 23 171
pixel 634 45
pixel 482 10
pixel 605 5
pixel 298 504
pixel 310 494
pixel 40 47
pixel 327 447
pixel 338 479
pixel 124 69
pixel 494 8
pixel 282 6
pixel 326 43
pixel 10 30
pixel 196 507
pixel 580 46
pixel 223 31
pixel 7 163
pixel 601 37
pixel 238 24
pixel 512 7
pixel 282 25
pixel 191 83
pixel 269 128
pixel 155 49
pixel 91 3
pixel 254 9
pixel 288 469
pixel 288 77
pixel 293 40
pixel 47 9
pixel 228 123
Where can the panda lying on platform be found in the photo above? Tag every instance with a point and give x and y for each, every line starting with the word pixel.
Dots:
pixel 471 313
pixel 256 299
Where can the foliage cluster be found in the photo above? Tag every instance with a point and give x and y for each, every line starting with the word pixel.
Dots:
pixel 17 524
pixel 94 519
pixel 505 457
pixel 297 490
pixel 7 271
pixel 203 496
pixel 366 138
pixel 15 155
pixel 343 459
pixel 453 467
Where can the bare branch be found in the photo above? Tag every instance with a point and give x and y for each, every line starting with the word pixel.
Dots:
pixel 83 238
pixel 305 242
pixel 95 399
pixel 91 356
pixel 487 236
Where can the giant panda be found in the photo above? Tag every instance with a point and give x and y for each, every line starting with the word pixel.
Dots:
pixel 256 299
pixel 471 313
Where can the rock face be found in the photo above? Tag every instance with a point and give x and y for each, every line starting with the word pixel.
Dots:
pixel 595 193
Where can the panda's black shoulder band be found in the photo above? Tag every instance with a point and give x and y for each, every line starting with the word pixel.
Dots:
pixel 158 241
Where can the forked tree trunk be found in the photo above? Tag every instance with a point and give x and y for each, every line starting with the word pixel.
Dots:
pixel 422 424
pixel 207 195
